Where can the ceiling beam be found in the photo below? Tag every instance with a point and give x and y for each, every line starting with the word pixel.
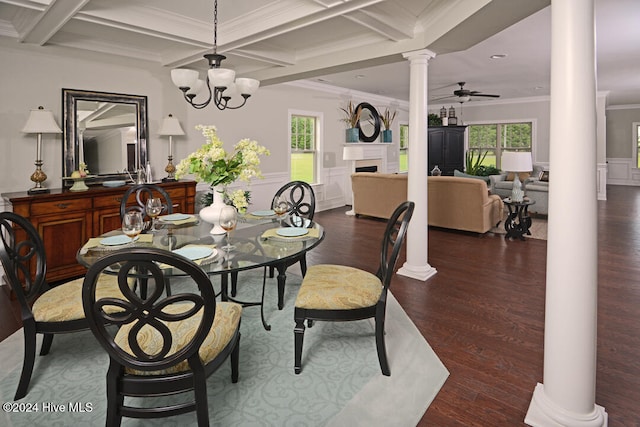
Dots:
pixel 54 16
pixel 387 20
pixel 494 17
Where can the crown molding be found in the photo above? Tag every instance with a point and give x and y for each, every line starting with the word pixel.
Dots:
pixel 341 92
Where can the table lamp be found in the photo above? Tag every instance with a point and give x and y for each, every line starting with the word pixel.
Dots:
pixel 170 127
pixel 352 154
pixel 40 121
pixel 516 161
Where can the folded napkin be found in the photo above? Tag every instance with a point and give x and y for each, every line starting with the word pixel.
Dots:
pixel 94 242
pixel 313 233
pixel 180 221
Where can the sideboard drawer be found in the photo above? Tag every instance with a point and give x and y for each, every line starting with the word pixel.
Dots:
pixel 110 201
pixel 60 206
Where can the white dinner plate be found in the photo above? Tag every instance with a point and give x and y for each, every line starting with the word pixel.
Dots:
pixel 174 217
pixel 292 231
pixel 263 213
pixel 195 252
pixel 120 239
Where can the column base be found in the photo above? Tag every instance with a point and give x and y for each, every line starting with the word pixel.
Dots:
pixel 544 413
pixel 423 272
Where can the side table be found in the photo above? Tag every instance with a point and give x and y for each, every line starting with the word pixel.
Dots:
pixel 518 222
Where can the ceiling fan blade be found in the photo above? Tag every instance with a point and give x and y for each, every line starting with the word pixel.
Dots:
pixel 485 94
pixel 443 97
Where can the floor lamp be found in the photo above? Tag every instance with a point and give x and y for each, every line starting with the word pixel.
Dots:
pixel 170 127
pixel 40 121
pixel 516 161
pixel 352 154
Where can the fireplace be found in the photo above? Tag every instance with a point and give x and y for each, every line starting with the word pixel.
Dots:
pixel 368 165
pixel 367 168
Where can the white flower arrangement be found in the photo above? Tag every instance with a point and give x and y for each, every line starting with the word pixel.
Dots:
pixel 212 164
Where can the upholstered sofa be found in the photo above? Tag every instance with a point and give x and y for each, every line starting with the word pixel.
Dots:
pixel 456 203
pixel 534 188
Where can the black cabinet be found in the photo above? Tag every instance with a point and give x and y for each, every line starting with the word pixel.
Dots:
pixel 446 148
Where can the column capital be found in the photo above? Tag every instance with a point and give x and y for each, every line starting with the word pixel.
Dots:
pixel 419 54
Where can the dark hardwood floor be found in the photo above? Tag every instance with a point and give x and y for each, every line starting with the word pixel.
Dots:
pixel 483 312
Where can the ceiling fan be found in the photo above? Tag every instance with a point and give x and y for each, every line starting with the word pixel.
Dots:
pixel 465 95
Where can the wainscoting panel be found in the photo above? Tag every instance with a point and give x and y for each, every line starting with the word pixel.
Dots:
pixel 601 180
pixel 621 171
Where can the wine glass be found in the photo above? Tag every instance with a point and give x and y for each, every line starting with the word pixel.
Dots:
pixel 154 208
pixel 228 221
pixel 280 207
pixel 132 224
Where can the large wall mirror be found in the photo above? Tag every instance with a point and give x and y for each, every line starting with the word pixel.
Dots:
pixel 106 131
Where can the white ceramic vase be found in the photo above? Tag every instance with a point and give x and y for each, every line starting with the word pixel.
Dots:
pixel 211 213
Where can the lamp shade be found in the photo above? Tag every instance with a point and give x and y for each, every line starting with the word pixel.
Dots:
pixel 41 121
pixel 352 153
pixel 516 161
pixel 170 127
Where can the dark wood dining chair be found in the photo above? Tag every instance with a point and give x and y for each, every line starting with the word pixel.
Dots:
pixel 44 310
pixel 142 193
pixel 301 201
pixel 342 293
pixel 164 345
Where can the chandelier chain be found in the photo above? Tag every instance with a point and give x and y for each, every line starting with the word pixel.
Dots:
pixel 215 26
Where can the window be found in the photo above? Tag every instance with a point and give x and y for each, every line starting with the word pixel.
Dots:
pixel 304 147
pixel 404 147
pixel 496 138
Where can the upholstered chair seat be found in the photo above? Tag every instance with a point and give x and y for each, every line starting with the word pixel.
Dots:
pixel 338 287
pixel 225 325
pixel 64 302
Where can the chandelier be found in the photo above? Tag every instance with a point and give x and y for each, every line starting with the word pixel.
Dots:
pixel 221 82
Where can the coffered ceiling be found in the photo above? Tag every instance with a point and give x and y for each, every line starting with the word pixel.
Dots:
pixel 353 44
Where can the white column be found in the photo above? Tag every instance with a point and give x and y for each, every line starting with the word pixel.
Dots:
pixel 417 265
pixel 567 395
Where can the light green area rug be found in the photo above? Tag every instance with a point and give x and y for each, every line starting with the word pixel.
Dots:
pixel 340 384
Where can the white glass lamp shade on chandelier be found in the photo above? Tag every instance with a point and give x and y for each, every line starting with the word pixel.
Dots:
pixel 221 85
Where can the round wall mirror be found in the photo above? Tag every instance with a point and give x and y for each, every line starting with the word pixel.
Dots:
pixel 369 123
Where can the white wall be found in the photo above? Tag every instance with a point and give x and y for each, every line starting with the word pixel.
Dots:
pixel 34 76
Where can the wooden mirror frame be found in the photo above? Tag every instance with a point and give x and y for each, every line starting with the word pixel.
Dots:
pixel 375 117
pixel 71 143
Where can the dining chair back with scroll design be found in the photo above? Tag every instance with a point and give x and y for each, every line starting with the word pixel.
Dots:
pixel 43 310
pixel 164 345
pixel 142 193
pixel 342 293
pixel 301 200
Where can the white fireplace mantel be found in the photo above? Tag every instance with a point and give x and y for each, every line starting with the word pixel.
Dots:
pixel 375 153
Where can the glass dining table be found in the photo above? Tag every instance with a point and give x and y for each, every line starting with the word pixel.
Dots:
pixel 258 241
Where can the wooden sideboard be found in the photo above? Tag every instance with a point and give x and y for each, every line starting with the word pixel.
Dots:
pixel 66 219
